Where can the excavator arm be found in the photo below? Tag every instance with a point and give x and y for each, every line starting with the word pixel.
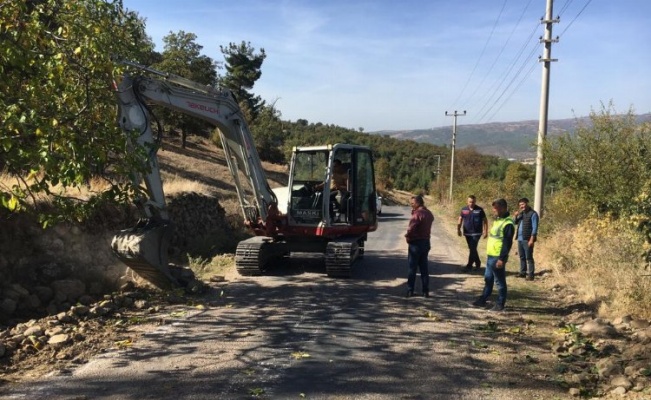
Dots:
pixel 144 247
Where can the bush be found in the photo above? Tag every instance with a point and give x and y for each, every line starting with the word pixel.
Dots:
pixel 600 259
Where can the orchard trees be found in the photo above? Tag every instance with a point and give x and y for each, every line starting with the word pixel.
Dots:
pixel 57 128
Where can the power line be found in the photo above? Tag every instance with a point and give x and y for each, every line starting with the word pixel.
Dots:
pixel 472 73
pixel 524 78
pixel 565 6
pixel 509 85
pixel 574 19
pixel 494 90
pixel 490 69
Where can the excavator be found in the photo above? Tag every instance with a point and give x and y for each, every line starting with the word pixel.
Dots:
pixel 310 215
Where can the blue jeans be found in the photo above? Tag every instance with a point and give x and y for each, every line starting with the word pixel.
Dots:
pixel 494 275
pixel 417 258
pixel 527 265
pixel 473 257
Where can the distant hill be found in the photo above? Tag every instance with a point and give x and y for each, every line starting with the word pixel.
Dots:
pixel 504 139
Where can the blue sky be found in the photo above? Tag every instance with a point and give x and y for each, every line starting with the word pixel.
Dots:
pixel 392 65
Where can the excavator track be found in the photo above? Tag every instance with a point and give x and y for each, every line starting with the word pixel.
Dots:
pixel 253 255
pixel 339 258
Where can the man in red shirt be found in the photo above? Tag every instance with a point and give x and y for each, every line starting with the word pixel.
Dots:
pixel 418 235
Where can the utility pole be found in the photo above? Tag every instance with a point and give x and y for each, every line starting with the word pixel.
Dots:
pixel 438 167
pixel 544 103
pixel 454 139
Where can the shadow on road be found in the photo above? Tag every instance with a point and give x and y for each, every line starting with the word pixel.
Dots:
pixel 295 331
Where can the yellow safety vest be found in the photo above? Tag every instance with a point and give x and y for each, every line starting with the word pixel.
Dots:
pixel 495 236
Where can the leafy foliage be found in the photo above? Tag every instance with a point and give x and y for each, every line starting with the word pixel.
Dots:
pixel 607 162
pixel 57 126
pixel 269 135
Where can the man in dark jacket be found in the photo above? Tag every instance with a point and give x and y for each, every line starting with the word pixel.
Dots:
pixel 418 235
pixel 527 220
pixel 475 225
pixel 500 239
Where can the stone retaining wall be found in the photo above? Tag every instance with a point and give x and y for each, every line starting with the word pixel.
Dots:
pixel 48 271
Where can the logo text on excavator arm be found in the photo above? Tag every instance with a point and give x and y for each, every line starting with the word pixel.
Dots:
pixel 202 107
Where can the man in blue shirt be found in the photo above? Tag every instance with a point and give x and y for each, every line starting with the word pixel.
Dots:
pixel 475 225
pixel 527 220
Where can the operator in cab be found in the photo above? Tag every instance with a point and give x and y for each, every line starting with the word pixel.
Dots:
pixel 339 179
pixel 338 187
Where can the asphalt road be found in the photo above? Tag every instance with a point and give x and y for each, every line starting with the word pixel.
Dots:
pixel 297 334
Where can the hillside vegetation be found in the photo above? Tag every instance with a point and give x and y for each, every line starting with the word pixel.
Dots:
pixel 516 140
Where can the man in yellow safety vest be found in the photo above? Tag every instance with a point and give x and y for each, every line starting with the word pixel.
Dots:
pixel 500 239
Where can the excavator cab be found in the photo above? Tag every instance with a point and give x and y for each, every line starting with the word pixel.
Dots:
pixel 332 187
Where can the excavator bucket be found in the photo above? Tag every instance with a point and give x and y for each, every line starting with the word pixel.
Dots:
pixel 143 248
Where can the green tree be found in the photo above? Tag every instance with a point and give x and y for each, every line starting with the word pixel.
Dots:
pixel 243 69
pixel 606 162
pixel 269 135
pixel 383 174
pixel 182 56
pixel 57 127
pixel 518 182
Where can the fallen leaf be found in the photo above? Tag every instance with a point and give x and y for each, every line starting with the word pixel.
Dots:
pixel 299 354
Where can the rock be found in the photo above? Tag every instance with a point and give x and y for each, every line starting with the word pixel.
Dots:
pixel 630 370
pixel 51 309
pixel 68 290
pixel 608 349
pixel 637 351
pixel 559 347
pixel 128 286
pixel 107 304
pixel 639 324
pixel 98 311
pixel 607 367
pixel 141 304
pixel 621 381
pixel 44 293
pixel 16 292
pixel 619 391
pixel 96 289
pixel 598 328
pixel 80 310
pixel 643 335
pixel 8 306
pixel 59 341
pixel 622 320
pixel 32 302
pixel 57 330
pixel 127 302
pixel 576 392
pixel 86 300
pixel 33 331
pixel 64 317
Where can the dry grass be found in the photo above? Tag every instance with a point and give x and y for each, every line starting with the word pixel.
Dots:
pixel 601 261
pixel 174 184
pixel 81 192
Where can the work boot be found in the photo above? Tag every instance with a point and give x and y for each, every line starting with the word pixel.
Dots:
pixel 497 308
pixel 410 293
pixel 479 302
